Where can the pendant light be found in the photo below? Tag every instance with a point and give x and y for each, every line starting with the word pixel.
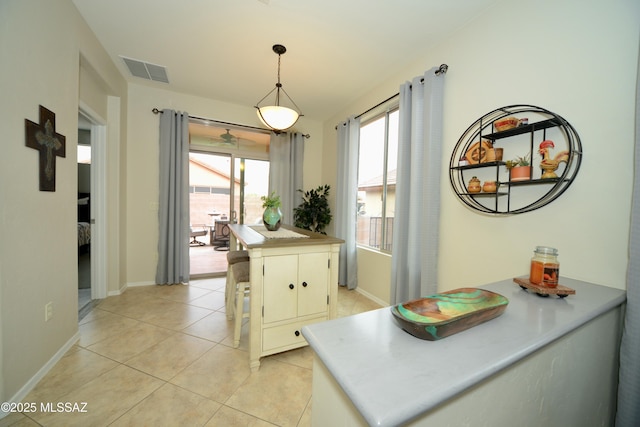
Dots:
pixel 278 117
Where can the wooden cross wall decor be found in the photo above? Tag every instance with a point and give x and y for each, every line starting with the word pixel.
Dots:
pixel 43 137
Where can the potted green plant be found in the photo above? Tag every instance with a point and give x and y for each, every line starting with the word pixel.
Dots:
pixel 272 216
pixel 519 168
pixel 313 213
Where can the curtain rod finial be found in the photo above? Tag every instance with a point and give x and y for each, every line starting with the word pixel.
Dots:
pixel 443 69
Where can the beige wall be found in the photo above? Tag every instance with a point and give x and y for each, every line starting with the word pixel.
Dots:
pixel 40 48
pixel 374 269
pixel 578 60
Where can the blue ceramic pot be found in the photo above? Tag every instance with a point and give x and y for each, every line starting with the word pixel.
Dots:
pixel 272 218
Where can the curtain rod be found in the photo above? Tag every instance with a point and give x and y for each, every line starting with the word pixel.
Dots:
pixel 157 111
pixel 442 69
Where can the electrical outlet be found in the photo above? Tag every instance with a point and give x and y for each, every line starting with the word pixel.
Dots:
pixel 48 311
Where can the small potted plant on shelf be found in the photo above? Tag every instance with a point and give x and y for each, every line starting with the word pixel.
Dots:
pixel 519 168
pixel 272 216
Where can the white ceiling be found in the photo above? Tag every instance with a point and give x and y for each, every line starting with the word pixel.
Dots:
pixel 337 50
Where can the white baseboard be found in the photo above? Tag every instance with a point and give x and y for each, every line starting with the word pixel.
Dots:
pixel 372 297
pixel 129 285
pixel 116 293
pixel 30 385
pixel 136 284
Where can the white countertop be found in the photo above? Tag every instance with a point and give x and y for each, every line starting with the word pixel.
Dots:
pixel 392 377
pixel 250 238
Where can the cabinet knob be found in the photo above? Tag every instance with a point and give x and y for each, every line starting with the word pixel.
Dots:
pixel 297 333
pixel 291 286
pixel 304 284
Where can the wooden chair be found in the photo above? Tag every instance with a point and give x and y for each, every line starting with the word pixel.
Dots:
pixel 241 277
pixel 233 257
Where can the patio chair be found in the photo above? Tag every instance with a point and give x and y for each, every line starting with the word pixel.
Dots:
pixel 198 230
pixel 221 237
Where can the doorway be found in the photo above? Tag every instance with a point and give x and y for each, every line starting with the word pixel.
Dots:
pixel 210 206
pixel 92 142
pixel 84 214
pixel 228 174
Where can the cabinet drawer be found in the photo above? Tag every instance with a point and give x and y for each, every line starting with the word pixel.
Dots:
pixel 285 335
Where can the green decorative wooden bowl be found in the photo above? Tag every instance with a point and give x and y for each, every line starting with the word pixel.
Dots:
pixel 440 315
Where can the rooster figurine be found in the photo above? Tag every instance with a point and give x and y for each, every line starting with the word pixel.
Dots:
pixel 549 165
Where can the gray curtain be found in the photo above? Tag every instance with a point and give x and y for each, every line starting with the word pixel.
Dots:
pixel 628 414
pixel 286 157
pixel 173 242
pixel 417 212
pixel 346 215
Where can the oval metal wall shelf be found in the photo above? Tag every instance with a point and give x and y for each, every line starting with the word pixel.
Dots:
pixel 516 197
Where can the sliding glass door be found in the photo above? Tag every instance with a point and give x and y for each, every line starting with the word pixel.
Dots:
pixel 253 178
pixel 210 195
pixel 228 174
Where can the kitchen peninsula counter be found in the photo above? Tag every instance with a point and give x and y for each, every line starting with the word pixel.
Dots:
pixel 544 361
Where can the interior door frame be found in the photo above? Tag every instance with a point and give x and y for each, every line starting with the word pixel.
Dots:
pixel 98 215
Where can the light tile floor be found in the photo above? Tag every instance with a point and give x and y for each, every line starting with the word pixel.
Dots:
pixel 164 356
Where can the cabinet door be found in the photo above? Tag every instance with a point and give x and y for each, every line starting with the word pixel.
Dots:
pixel 280 289
pixel 313 283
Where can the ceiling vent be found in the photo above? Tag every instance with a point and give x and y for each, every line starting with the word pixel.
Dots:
pixel 145 70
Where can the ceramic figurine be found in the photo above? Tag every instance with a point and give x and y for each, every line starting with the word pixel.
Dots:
pixel 548 165
pixel 489 187
pixel 474 185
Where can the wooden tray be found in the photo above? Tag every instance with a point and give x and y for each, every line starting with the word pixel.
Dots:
pixel 542 291
pixel 440 315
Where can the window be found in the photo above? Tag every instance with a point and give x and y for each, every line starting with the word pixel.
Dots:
pixel 377 181
pixel 208 190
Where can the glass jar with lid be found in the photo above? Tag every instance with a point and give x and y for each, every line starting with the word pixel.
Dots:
pixel 545 268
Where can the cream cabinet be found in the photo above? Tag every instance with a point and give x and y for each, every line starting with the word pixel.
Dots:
pixel 296 286
pixel 294 283
pixel 295 293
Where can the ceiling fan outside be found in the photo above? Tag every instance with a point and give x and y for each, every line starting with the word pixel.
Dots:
pixel 222 140
pixel 227 138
